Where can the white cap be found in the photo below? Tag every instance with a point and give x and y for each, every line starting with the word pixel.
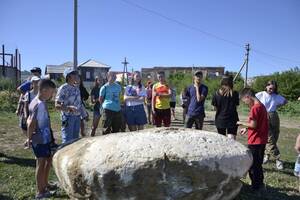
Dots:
pixel 35 78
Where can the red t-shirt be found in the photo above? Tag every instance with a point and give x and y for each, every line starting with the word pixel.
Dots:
pixel 259 135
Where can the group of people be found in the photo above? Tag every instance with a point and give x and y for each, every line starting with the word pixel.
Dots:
pixel 118 106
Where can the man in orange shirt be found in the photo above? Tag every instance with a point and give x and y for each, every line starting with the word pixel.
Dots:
pixel 161 101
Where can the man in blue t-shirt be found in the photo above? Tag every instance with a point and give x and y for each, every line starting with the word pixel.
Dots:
pixel 196 94
pixel 109 97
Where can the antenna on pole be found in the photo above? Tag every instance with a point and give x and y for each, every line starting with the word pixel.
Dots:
pixel 125 63
pixel 75 36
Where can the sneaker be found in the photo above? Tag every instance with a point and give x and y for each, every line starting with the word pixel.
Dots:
pixel 52 186
pixel 266 159
pixel 43 195
pixel 279 164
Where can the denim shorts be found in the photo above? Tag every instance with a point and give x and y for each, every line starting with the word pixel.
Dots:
pixel 70 128
pixel 42 150
pixel 135 115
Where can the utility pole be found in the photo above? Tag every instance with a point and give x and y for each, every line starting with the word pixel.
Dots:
pixel 75 36
pixel 3 61
pixel 125 63
pixel 246 62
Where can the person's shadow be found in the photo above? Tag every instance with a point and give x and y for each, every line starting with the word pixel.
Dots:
pixel 288 168
pixel 3 197
pixel 25 162
pixel 271 193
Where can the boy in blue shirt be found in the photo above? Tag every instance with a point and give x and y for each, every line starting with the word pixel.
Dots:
pixel 39 132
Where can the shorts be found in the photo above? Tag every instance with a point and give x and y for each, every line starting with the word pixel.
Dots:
pixel 111 121
pixel 162 116
pixel 231 130
pixel 197 120
pixel 70 127
pixel 42 150
pixel 172 104
pixel 135 115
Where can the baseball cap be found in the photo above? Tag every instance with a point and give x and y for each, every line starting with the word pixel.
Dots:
pixel 35 78
pixel 36 69
pixel 198 73
pixel 68 71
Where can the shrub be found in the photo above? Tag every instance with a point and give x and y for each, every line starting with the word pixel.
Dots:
pixel 7 84
pixel 8 101
pixel 288 83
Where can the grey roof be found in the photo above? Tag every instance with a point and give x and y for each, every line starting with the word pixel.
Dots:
pixel 55 69
pixel 93 63
pixel 59 69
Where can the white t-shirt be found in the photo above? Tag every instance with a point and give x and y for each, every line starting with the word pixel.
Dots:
pixel 270 101
pixel 134 90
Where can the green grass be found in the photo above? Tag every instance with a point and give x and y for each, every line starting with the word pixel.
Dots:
pixel 17 166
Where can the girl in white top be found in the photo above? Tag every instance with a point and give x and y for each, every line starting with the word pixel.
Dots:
pixel 134 97
pixel 272 100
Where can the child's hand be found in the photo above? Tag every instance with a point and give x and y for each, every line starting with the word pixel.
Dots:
pixel 72 108
pixel 243 131
pixel 239 123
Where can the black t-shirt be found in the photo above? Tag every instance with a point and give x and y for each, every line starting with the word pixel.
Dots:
pixel 95 92
pixel 226 114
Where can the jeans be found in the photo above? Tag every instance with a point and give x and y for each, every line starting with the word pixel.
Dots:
pixel 70 128
pixel 256 171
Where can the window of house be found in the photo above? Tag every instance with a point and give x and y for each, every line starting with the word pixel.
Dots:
pixel 88 75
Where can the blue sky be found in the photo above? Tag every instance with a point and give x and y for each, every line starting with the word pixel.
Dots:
pixel 109 30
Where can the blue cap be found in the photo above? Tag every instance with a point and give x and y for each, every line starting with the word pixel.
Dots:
pixel 36 69
pixel 68 71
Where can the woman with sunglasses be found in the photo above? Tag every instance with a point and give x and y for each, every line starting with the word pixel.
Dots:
pixel 272 101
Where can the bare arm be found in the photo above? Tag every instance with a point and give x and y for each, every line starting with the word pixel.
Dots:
pixel 252 124
pixel 297 145
pixel 198 95
pixel 153 99
pixel 31 126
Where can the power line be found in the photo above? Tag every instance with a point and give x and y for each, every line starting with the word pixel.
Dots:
pixel 182 23
pixel 277 57
pixel 204 32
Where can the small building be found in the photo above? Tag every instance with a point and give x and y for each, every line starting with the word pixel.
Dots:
pixel 56 71
pixel 88 70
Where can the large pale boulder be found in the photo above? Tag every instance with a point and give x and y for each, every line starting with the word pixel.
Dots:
pixel 154 164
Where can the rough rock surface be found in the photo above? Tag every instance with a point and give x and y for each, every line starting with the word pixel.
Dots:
pixel 154 164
